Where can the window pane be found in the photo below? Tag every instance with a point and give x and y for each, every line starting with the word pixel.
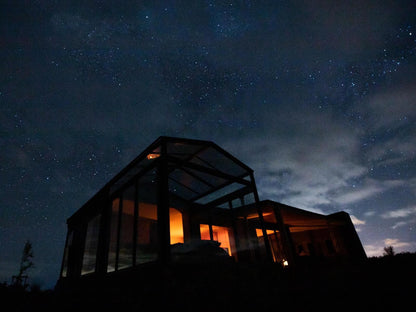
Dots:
pixel 224 236
pixel 218 160
pixel 146 233
pixel 176 226
pixel 112 250
pixel 204 229
pixel 220 193
pixel 66 253
pixel 221 234
pixel 91 244
pixel 125 253
pixel 147 238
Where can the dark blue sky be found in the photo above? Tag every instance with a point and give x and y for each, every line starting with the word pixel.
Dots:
pixel 318 97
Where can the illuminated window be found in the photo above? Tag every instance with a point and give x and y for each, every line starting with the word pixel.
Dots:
pixel 204 229
pixel 176 226
pixel 91 244
pixel 272 238
pixel 259 232
pixel 221 234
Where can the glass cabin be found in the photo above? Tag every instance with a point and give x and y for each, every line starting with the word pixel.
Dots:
pixel 185 200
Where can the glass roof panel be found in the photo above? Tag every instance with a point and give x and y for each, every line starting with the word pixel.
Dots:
pixel 211 157
pixel 220 193
pixel 143 163
pixel 183 150
pixel 210 179
pixel 180 190
pixel 189 181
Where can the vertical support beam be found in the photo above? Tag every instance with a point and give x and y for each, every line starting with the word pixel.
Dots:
pixel 135 218
pixel 269 255
pixel 288 248
pixel 234 226
pixel 211 233
pixel 163 205
pixel 120 214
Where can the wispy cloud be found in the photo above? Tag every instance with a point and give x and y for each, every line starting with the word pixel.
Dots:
pixel 368 189
pixel 395 242
pixel 394 107
pixel 357 221
pixel 314 163
pixel 402 223
pixel 400 213
pixel 376 249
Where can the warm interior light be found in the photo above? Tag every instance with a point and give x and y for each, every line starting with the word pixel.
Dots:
pixel 219 234
pixel 152 156
pixel 149 211
pixel 259 232
pixel 176 226
pixel 256 215
pixel 285 263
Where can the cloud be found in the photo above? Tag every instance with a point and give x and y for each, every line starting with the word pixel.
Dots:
pixel 369 213
pixel 395 150
pixel 400 213
pixel 401 223
pixel 376 249
pixel 356 221
pixel 396 243
pixel 373 250
pixel 370 188
pixel 305 161
pixel 394 107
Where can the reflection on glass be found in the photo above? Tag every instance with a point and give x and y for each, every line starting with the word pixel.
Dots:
pixel 125 253
pixel 273 238
pixel 66 253
pixel 91 244
pixel 146 249
pixel 112 252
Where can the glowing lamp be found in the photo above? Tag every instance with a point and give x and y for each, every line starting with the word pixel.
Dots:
pixel 152 156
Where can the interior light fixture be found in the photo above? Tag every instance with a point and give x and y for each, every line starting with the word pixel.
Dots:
pixel 152 156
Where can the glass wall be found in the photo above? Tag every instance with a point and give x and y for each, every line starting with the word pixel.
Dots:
pixel 274 240
pixel 176 226
pixel 134 225
pixel 147 232
pixel 112 250
pixel 91 243
pixel 221 234
pixel 147 238
pixel 204 229
pixel 224 236
pixel 125 253
pixel 66 253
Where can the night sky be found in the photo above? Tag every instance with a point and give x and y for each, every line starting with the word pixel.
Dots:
pixel 318 97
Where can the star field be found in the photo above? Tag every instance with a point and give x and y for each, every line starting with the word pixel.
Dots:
pixel 318 98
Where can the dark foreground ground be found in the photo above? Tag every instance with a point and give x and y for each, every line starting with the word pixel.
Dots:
pixel 378 284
